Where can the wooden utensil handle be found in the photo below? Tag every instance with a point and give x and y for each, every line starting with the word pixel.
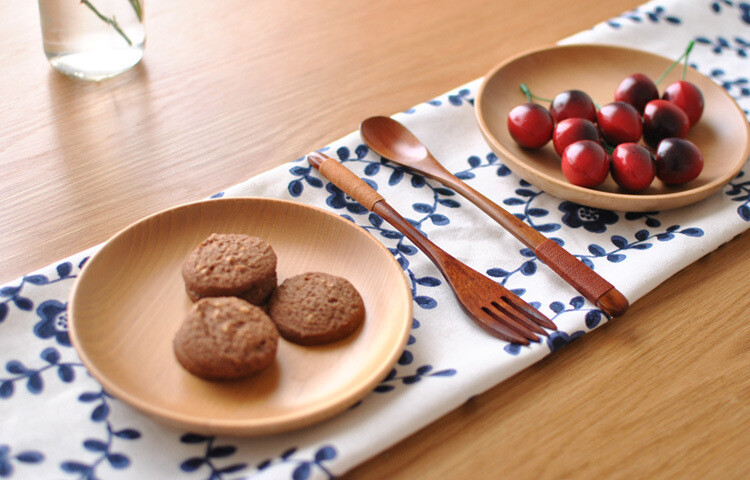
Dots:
pixel 356 188
pixel 587 282
pixel 590 284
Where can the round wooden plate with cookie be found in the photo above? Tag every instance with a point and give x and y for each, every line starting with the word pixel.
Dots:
pixel 131 300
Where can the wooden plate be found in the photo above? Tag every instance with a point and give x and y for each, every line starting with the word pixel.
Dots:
pixel 722 134
pixel 130 299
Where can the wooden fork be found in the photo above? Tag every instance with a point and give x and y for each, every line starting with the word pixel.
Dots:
pixel 499 311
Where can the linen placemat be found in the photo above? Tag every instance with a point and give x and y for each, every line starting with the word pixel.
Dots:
pixel 56 421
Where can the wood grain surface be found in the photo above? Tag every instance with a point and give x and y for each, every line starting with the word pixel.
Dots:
pixel 230 89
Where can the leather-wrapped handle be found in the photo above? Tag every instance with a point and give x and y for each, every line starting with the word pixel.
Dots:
pixel 345 179
pixel 592 286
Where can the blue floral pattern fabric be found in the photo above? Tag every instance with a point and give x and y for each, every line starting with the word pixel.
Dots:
pixel 56 420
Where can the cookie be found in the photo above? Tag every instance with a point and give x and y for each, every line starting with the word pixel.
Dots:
pixel 316 308
pixel 231 265
pixel 225 338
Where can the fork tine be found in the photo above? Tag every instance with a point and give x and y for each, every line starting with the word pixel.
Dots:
pixel 499 328
pixel 519 316
pixel 511 321
pixel 530 311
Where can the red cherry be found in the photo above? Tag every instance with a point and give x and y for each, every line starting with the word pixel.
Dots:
pixel 663 119
pixel 572 104
pixel 585 163
pixel 619 123
pixel 633 166
pixel 571 130
pixel 686 96
pixel 637 90
pixel 678 161
pixel 530 125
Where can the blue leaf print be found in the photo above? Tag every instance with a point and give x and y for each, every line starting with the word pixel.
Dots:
pixel 94 445
pixel 512 201
pixel 692 232
pixel 465 175
pixel 547 227
pixel 50 355
pixel 619 241
pixel 30 457
pixel 474 161
pixel 36 279
pixel 528 268
pixel 302 472
pixel 407 249
pixel 557 307
pixel 447 202
pixel 423 208
pixel 295 188
pixel 425 302
pixel 641 235
pixel 372 169
pixel 222 451
pixel 6 389
pixel 325 453
pixel 396 177
pixel 527 252
pixel 525 192
pixel 593 317
pixel 64 269
pixel 418 181
pixel 3 311
pixel 596 250
pixel 23 303
pixel 576 302
pixel 743 211
pixel 343 153
pixel 118 460
pixel 537 212
pixel 129 434
pixel 439 219
pixel 75 467
pixel 100 413
pixel 497 272
pixel 66 373
pixel 232 468
pixel 615 257
pixel 15 367
pixel 288 453
pixel 35 384
pixel 192 464
pixel 428 281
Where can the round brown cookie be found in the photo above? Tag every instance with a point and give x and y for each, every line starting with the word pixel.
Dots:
pixel 231 264
pixel 225 338
pixel 315 308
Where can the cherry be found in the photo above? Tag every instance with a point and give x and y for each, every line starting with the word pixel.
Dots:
pixel 678 161
pixel 585 163
pixel 572 104
pixel 530 125
pixel 571 130
pixel 633 166
pixel 686 96
pixel 619 123
pixel 637 90
pixel 663 119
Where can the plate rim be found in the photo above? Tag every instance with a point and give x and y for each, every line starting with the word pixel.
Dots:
pixel 235 427
pixel 677 198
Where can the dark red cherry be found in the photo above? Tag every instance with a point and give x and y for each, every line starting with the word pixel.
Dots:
pixel 637 90
pixel 571 130
pixel 663 119
pixel 530 125
pixel 572 104
pixel 619 122
pixel 678 161
pixel 585 163
pixel 633 166
pixel 686 96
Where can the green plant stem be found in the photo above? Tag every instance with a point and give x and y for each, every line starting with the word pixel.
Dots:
pixel 529 95
pixel 677 62
pixel 137 8
pixel 111 21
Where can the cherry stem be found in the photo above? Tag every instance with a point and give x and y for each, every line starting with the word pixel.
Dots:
pixel 677 62
pixel 529 95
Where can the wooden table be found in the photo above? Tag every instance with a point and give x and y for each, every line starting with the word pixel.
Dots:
pixel 230 89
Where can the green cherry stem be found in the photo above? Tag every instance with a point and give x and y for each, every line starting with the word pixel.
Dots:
pixel 529 95
pixel 677 62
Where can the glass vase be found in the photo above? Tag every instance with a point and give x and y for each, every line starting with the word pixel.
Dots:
pixel 92 39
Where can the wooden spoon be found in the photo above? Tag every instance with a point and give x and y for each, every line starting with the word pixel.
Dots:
pixel 390 139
